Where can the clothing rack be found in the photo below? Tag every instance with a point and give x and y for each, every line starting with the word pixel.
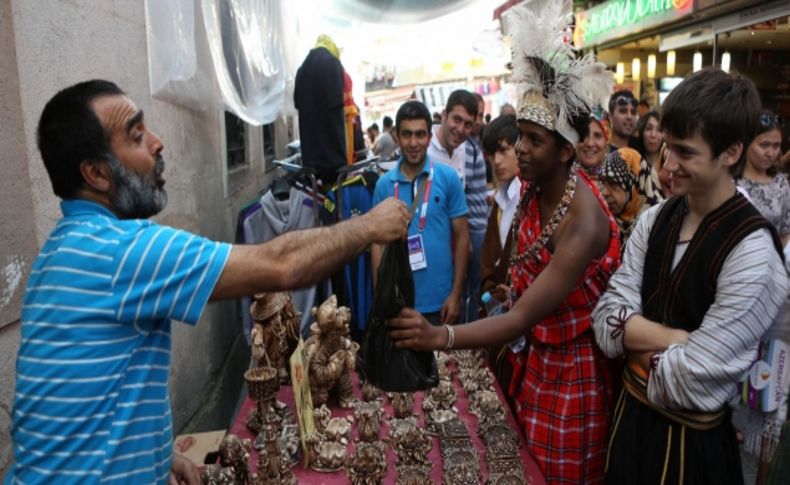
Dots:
pixel 291 164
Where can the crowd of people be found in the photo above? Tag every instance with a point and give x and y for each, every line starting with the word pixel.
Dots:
pixel 621 267
pixel 641 257
pixel 636 260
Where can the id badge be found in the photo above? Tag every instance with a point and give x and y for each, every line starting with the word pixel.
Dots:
pixel 416 253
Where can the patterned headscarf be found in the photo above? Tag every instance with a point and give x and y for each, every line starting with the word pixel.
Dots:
pixel 626 168
pixel 600 116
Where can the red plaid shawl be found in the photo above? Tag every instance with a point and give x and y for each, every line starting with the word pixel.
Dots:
pixel 562 386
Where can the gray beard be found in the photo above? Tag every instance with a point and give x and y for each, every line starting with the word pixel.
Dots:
pixel 136 196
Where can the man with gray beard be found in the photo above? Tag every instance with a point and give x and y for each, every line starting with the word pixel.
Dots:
pixel 137 196
pixel 91 402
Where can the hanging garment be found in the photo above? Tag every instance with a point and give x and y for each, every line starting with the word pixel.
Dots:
pixel 275 217
pixel 352 198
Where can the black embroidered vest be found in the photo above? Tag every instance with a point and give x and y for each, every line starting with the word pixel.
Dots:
pixel 680 298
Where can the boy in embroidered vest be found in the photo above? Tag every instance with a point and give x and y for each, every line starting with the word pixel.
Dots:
pixel 566 246
pixel 702 279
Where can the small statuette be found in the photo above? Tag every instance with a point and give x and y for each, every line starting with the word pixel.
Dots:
pixel 368 465
pixel 331 354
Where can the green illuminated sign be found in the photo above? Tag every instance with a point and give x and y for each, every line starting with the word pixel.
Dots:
pixel 618 18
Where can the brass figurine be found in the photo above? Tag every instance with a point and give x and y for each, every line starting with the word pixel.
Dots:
pixel 410 442
pixel 402 404
pixel 413 475
pixel 331 354
pixel 325 456
pixel 234 453
pixel 368 416
pixel 368 466
pixel 333 429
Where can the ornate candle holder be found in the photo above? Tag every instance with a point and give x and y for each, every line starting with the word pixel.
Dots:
pixel 273 468
pixel 262 385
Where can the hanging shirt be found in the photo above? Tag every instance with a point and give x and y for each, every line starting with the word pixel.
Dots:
pixel 319 97
pixel 275 217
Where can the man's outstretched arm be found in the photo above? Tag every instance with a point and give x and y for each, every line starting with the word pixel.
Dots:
pixel 302 258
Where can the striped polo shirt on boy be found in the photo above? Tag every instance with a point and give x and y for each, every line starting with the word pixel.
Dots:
pixel 91 402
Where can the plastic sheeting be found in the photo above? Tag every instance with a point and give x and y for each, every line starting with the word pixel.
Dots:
pixel 220 54
pixel 396 11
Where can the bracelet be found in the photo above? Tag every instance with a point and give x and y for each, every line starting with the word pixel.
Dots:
pixel 450 337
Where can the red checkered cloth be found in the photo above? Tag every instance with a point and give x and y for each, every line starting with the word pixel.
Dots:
pixel 562 385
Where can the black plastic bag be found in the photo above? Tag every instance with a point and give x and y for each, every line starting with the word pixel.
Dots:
pixel 385 366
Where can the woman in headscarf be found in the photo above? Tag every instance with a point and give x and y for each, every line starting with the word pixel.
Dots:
pixel 628 187
pixel 593 148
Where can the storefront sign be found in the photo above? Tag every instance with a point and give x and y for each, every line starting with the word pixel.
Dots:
pixel 618 18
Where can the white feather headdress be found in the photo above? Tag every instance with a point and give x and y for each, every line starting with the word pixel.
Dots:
pixel 554 84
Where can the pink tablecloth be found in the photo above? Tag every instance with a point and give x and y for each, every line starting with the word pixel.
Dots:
pixel 309 476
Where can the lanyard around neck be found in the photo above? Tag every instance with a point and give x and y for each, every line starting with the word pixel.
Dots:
pixel 424 191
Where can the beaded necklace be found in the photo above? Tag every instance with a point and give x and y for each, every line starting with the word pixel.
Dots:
pixel 549 228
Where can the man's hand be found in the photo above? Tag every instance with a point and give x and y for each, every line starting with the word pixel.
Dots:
pixel 410 330
pixel 389 220
pixel 183 471
pixel 501 293
pixel 451 309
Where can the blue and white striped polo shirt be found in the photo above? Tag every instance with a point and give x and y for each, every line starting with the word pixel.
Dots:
pixel 91 402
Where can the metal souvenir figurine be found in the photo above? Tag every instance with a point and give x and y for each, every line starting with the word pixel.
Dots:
pixel 217 475
pixel 368 416
pixel 453 429
pixel 462 467
pixel 506 472
pixel 370 392
pixel 325 456
pixel 410 442
pixel 272 466
pixel 262 385
pixel 368 466
pixel 479 379
pixel 234 453
pixel 402 404
pixel 487 407
pixel 331 355
pixel 438 417
pixel 275 331
pixel 501 441
pixel 442 397
pixel 333 429
pixel 414 475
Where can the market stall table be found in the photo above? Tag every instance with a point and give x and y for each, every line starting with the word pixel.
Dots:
pixel 306 475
